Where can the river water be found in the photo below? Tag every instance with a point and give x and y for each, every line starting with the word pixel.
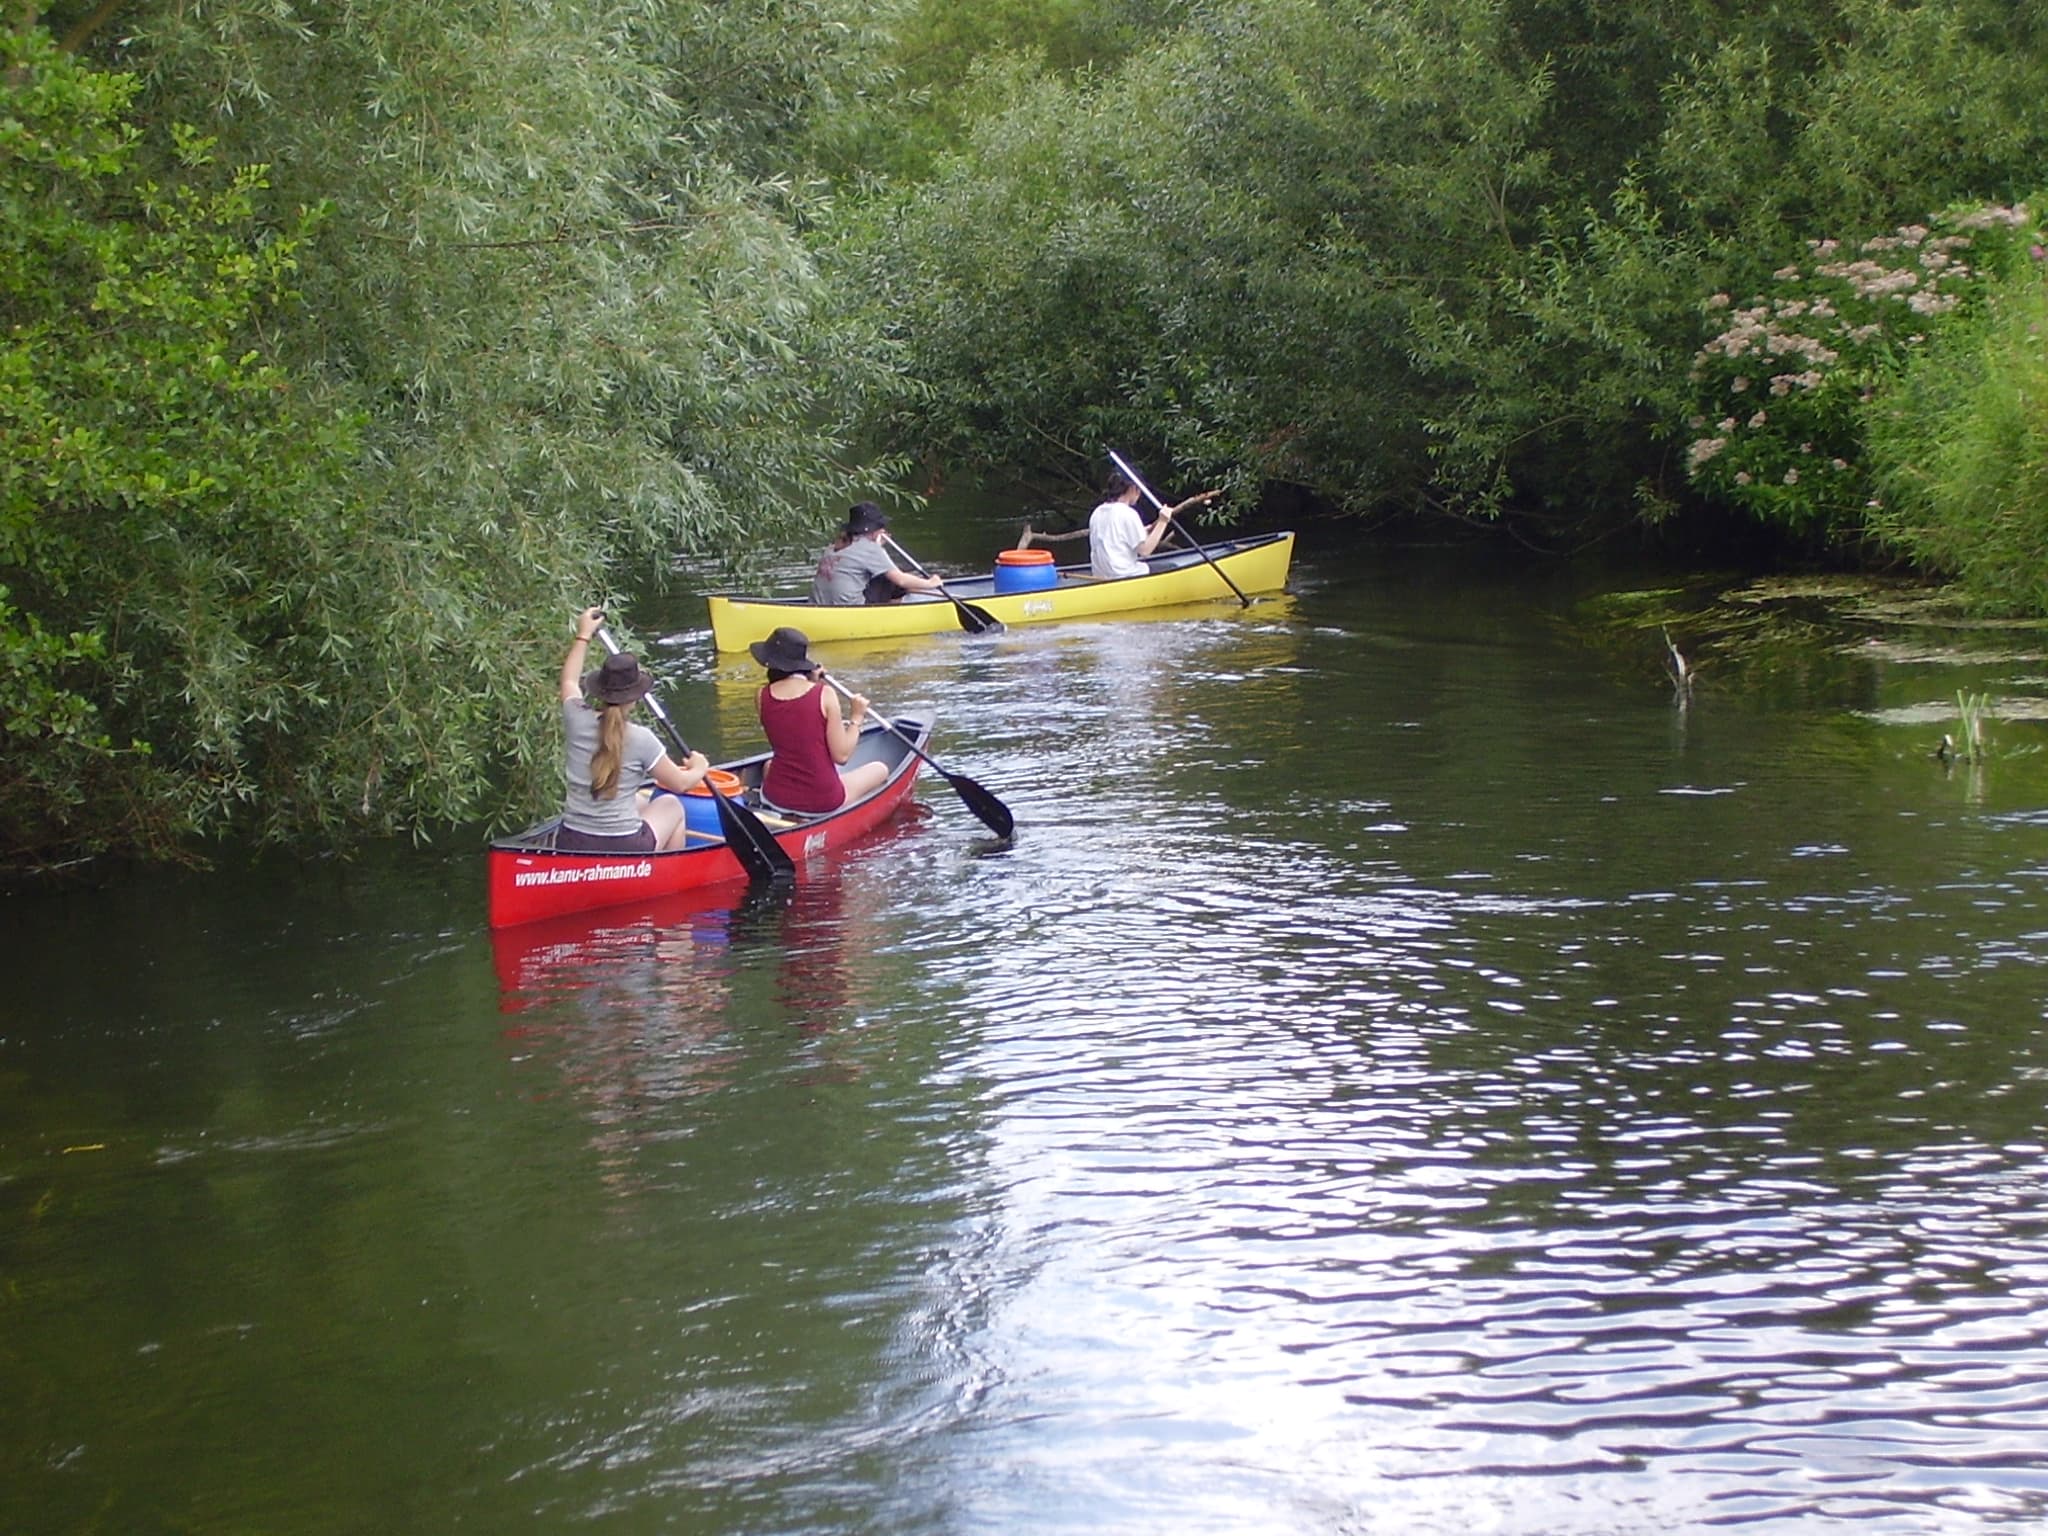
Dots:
pixel 1410 1074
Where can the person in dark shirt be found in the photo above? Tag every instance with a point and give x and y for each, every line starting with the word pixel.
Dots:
pixel 810 740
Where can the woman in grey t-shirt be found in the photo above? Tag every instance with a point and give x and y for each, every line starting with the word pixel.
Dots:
pixel 607 758
pixel 857 568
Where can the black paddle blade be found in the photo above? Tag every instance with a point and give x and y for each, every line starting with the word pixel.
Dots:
pixel 990 811
pixel 752 843
pixel 976 621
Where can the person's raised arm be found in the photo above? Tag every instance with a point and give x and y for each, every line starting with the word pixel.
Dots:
pixel 1156 532
pixel 572 664
pixel 1165 520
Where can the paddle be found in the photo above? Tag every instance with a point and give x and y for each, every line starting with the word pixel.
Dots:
pixel 992 812
pixel 976 621
pixel 754 844
pixel 1132 474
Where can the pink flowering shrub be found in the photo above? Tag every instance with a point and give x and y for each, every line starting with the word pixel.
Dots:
pixel 1785 383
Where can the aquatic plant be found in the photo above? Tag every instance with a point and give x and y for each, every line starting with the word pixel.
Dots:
pixel 1970 743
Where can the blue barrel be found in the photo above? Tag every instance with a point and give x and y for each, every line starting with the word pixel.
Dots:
pixel 699 814
pixel 1026 570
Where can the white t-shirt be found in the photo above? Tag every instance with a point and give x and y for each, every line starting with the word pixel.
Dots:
pixel 1114 533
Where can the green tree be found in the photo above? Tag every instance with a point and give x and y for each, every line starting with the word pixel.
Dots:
pixel 1441 255
pixel 1232 248
pixel 156 458
pixel 938 52
pixel 555 323
pixel 564 272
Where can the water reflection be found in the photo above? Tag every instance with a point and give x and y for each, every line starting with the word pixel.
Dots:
pixel 642 980
pixel 1424 1106
pixel 1396 1081
pixel 816 979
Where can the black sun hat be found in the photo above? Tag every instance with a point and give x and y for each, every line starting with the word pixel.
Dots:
pixel 785 650
pixel 864 517
pixel 619 681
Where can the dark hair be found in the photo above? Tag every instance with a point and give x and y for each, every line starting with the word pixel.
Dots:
pixel 1115 483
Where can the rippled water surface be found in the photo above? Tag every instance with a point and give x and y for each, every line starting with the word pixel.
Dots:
pixel 1408 1075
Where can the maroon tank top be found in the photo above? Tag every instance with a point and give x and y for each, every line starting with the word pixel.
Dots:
pixel 801 776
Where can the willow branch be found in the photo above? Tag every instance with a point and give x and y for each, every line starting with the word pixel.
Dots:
pixel 537 242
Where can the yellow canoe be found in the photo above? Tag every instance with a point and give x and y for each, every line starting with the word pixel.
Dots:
pixel 1257 564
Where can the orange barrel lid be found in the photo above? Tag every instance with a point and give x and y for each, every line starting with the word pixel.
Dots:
pixel 1024 557
pixel 724 782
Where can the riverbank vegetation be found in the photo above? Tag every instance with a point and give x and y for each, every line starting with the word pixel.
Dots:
pixel 350 347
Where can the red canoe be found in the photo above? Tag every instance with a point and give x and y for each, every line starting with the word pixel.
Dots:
pixel 530 880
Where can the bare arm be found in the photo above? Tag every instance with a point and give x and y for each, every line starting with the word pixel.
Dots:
pixel 689 775
pixel 1165 520
pixel 910 581
pixel 572 664
pixel 841 736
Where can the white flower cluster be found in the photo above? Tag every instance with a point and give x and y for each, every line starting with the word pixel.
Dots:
pixel 1754 331
pixel 1790 344
pixel 1998 217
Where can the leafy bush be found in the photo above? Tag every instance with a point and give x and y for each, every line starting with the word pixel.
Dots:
pixel 317 491
pixel 1441 254
pixel 1959 450
pixel 1787 384
pixel 154 458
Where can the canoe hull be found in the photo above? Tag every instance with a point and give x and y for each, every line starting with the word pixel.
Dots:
pixel 1258 564
pixel 529 881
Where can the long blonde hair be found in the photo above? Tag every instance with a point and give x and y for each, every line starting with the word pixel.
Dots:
pixel 611 746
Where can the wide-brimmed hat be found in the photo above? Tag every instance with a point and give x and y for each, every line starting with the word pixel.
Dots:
pixel 618 681
pixel 864 517
pixel 785 650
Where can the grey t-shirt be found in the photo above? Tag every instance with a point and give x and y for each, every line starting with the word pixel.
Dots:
pixel 844 574
pixel 620 813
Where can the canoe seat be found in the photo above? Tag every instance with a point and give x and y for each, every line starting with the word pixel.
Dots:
pixel 788 817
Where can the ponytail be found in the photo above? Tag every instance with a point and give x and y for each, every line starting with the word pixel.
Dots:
pixel 611 746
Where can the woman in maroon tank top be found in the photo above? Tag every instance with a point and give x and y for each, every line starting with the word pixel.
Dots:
pixel 805 732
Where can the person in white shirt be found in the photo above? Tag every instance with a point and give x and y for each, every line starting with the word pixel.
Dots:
pixel 1118 539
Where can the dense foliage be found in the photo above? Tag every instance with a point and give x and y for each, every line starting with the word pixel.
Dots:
pixel 1795 376
pixel 165 493
pixel 1436 254
pixel 352 345
pixel 1959 448
pixel 298 503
